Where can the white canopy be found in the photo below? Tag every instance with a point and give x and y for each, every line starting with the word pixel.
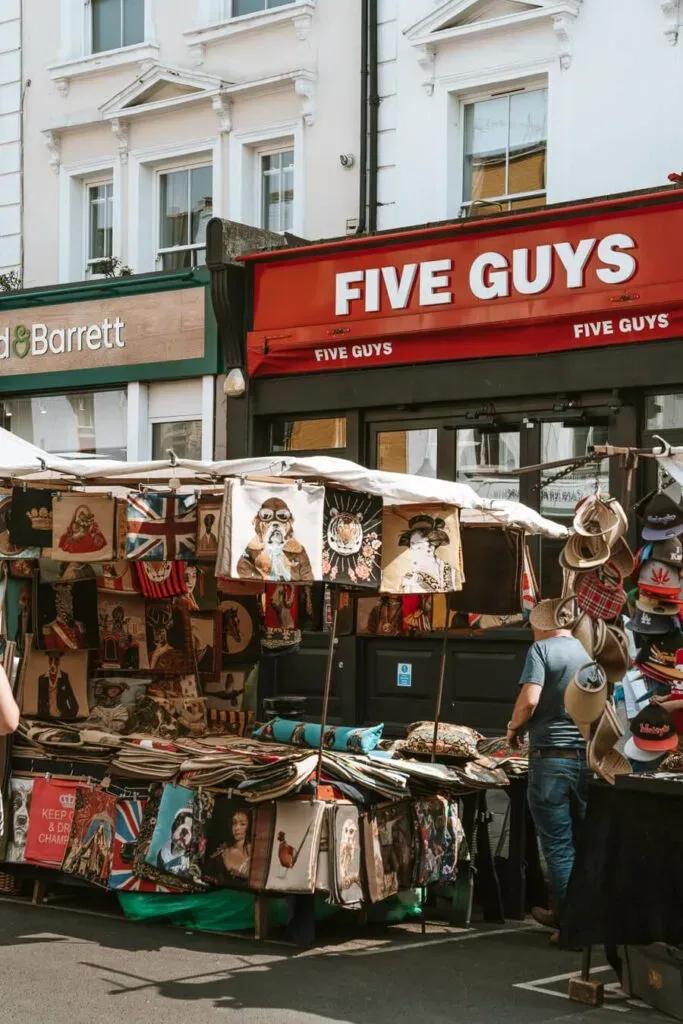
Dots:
pixel 18 458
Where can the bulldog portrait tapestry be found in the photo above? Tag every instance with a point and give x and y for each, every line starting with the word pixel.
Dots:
pixel 169 640
pixel 67 616
pixel 352 538
pixel 30 521
pixel 7 548
pixel 276 532
pixel 55 684
pixel 421 550
pixel 123 635
pixel 161 527
pixel 90 846
pixel 83 527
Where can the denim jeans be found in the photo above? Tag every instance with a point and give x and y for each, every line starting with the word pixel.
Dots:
pixel 558 788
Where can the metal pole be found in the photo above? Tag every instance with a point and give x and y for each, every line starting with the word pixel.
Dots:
pixel 334 604
pixel 439 696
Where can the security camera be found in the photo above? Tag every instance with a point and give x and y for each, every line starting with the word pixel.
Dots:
pixel 346 159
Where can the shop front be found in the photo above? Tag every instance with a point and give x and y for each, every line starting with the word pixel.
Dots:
pixel 470 351
pixel 122 368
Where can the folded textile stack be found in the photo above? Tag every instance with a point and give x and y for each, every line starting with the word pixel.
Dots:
pixel 512 761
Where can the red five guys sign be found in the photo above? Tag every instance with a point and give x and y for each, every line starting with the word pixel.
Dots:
pixel 569 278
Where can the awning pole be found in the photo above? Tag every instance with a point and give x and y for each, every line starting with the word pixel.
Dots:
pixel 334 605
pixel 442 677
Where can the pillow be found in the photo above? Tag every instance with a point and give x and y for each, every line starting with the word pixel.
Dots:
pixel 453 740
pixel 348 738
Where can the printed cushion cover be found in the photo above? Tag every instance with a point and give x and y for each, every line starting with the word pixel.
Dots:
pixel 452 740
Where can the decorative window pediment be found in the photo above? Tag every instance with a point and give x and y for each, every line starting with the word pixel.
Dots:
pixel 160 86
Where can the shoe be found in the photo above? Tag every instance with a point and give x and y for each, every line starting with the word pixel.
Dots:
pixel 547 918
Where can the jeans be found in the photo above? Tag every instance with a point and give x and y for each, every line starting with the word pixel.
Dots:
pixel 557 793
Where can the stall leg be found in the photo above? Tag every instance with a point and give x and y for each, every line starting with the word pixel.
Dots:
pixel 39 892
pixel 261 926
pixel 581 988
pixel 488 886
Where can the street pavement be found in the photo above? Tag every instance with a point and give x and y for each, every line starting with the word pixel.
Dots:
pixel 63 967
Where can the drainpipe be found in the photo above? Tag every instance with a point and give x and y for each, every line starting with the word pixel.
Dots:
pixel 373 115
pixel 363 155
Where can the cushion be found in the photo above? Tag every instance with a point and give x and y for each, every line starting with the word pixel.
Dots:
pixel 453 740
pixel 348 738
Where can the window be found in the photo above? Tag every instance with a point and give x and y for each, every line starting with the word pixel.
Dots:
pixel 239 7
pixel 563 441
pixel 100 201
pixel 184 437
pixel 308 435
pixel 117 23
pixel 277 190
pixel 505 152
pixel 185 205
pixel 484 459
pixel 408 451
pixel 78 423
pixel 664 411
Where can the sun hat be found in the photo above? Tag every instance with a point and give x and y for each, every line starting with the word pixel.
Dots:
pixel 582 553
pixel 614 655
pixel 652 730
pixel 662 518
pixel 586 693
pixel 595 517
pixel 622 558
pixel 669 551
pixel 554 613
pixel 656 605
pixel 657 579
pixel 584 631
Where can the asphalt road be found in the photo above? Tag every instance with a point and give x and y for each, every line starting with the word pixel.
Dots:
pixel 70 968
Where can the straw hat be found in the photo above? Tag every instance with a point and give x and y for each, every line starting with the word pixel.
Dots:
pixel 554 613
pixel 582 553
pixel 583 702
pixel 595 517
pixel 614 655
pixel 622 558
pixel 584 631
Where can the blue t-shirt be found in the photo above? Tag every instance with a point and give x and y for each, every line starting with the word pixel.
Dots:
pixel 551 664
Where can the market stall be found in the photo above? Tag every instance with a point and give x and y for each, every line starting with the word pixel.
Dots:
pixel 139 601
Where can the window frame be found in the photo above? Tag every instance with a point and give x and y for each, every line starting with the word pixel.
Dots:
pixel 89 261
pixel 182 165
pixel 261 153
pixel 155 420
pixel 228 8
pixel 487 91
pixel 244 170
pixel 88 34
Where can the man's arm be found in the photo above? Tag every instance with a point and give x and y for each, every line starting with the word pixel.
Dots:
pixel 9 712
pixel 525 705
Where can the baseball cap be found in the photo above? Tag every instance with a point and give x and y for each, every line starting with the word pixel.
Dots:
pixel 656 605
pixel 669 551
pixel 659 580
pixel 652 730
pixel 662 518
pixel 650 624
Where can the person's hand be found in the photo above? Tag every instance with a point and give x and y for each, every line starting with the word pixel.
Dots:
pixel 513 739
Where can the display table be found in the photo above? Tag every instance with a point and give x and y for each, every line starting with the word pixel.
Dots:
pixel 627 884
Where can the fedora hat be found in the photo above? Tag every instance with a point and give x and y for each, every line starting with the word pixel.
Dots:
pixel 553 613
pixel 656 605
pixel 586 694
pixel 659 580
pixel 595 517
pixel 614 656
pixel 582 553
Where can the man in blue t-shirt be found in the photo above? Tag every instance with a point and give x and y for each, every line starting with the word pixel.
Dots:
pixel 558 774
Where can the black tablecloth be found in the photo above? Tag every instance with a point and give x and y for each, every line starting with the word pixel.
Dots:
pixel 627 883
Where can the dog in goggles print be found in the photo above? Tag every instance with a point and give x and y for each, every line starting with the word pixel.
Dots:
pixel 274 553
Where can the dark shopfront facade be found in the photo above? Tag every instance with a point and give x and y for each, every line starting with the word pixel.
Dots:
pixel 371 349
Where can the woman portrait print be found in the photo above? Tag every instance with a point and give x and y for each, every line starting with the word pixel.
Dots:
pixel 234 857
pixel 428 572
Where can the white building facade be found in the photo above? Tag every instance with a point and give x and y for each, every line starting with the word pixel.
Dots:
pixel 10 136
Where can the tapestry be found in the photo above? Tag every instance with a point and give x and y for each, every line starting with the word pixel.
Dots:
pixel 90 845
pixel 161 527
pixel 178 843
pixel 229 840
pixel 161 579
pixel 169 641
pixel 191 577
pixel 496 554
pixel 230 686
pixel 435 842
pixel 346 856
pixel 379 616
pixel 322 874
pixel 111 691
pixel 174 686
pixel 21 791
pixel 421 550
pixel 239 630
pixel 352 538
pixel 162 879
pixel 205 590
pixel 118 577
pixel 7 548
pixel 52 810
pixel 123 633
pixel 18 611
pixel 264 826
pixel 294 857
pixel 388 850
pixel 30 518
pixel 187 713
pixel 83 527
pixel 206 642
pixel 128 821
pixel 281 616
pixel 208 528
pixel 54 684
pixel 67 616
pixel 417 614
pixel 276 532
pixel 222 720
pixel 50 571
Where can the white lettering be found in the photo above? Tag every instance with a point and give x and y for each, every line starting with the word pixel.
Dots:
pixel 93 337
pixel 118 327
pixel 663 320
pixel 319 354
pixel 106 327
pixel 431 281
pixel 574 260
pixel 70 337
pixel 57 341
pixel 4 344
pixel 398 289
pixel 490 276
pixel 345 292
pixel 38 339
pixel 610 252
pixel 372 291
pixel 520 270
pixel 387 348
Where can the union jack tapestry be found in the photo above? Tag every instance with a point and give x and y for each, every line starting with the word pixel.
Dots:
pixel 128 821
pixel 161 527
